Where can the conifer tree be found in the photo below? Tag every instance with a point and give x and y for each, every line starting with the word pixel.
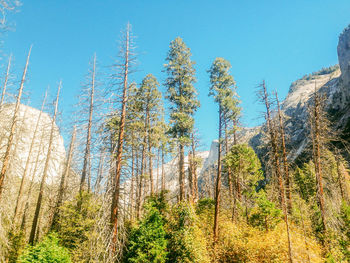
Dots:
pixel 149 103
pixel 183 100
pixel 223 90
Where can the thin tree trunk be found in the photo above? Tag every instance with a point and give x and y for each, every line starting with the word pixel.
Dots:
pixel 132 177
pixel 190 176
pixel 194 171
pixel 141 177
pixel 119 150
pixel 285 161
pixel 277 167
pixel 100 172
pixel 150 154
pixel 5 162
pixel 20 191
pixel 181 171
pixel 218 181
pixel 163 172
pixel 5 82
pixel 157 181
pixel 318 160
pixel 86 171
pixel 33 173
pixel 45 173
pixel 340 178
pixel 65 174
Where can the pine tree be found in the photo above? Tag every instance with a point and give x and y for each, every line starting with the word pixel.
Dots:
pixel 223 90
pixel 182 97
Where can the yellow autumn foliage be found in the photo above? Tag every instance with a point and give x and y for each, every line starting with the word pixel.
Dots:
pixel 239 242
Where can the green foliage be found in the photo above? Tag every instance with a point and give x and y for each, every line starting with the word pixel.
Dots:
pixel 305 181
pixel 265 215
pixel 186 240
pixel 204 205
pixel 76 224
pixel 47 251
pixel 147 242
pixel 17 244
pixel 244 163
pixel 180 90
pixel 345 230
pixel 223 88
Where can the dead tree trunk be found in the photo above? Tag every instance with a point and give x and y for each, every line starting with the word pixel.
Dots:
pixel 285 161
pixel 120 143
pixel 45 172
pixel 5 82
pixel 317 152
pixel 5 162
pixel 65 174
pixel 218 181
pixel 274 147
pixel 86 171
pixel 20 191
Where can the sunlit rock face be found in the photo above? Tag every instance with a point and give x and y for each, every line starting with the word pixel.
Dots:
pixel 344 56
pixel 24 132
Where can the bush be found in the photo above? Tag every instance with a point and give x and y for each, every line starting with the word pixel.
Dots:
pixel 265 215
pixel 147 242
pixel 239 242
pixel 187 242
pixel 76 228
pixel 47 251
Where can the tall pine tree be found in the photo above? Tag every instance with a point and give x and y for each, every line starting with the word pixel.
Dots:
pixel 183 99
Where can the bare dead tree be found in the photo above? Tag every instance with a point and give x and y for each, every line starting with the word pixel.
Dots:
pixel 284 156
pixel 127 57
pixel 316 142
pixel 5 82
pixel 87 157
pixel 45 172
pixel 273 140
pixel 26 168
pixel 62 187
pixel 6 158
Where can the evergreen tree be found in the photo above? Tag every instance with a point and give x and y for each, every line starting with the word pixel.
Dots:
pixel 222 89
pixel 245 164
pixel 150 105
pixel 147 242
pixel 182 97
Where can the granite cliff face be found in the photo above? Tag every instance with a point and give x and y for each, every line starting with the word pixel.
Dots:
pixel 334 83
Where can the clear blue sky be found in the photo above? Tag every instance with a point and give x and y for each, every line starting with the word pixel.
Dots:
pixel 275 40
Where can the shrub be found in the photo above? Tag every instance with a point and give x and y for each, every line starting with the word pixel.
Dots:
pixel 47 251
pixel 187 242
pixel 147 242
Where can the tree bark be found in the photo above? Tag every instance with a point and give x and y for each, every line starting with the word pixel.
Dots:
pixel 45 172
pixel 5 162
pixel 5 82
pixel 285 161
pixel 277 167
pixel 65 174
pixel 119 150
pixel 86 171
pixel 181 172
pixel 218 181
pixel 20 191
